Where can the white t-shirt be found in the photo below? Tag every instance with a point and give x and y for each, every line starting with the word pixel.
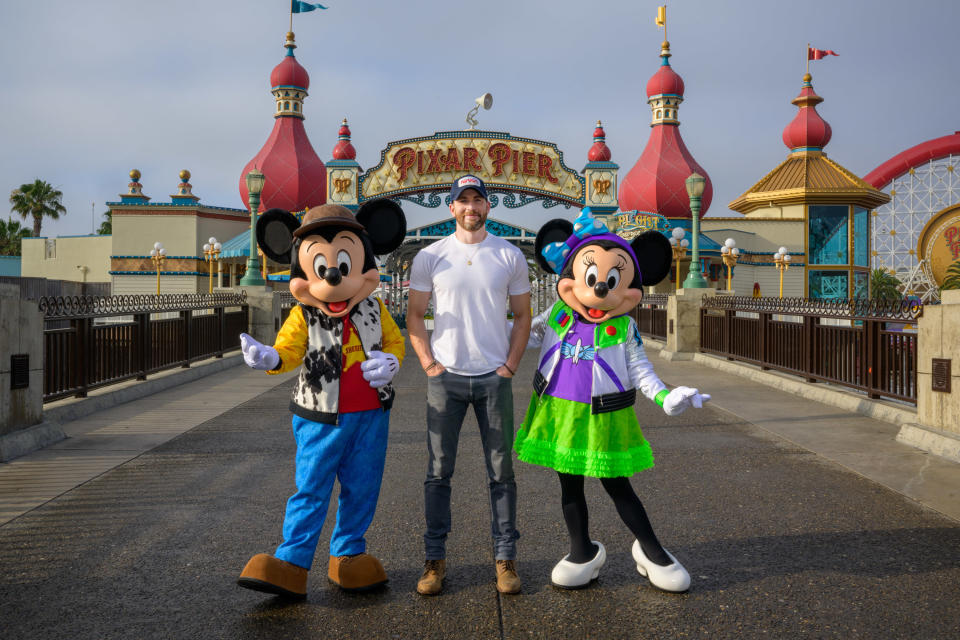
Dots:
pixel 470 329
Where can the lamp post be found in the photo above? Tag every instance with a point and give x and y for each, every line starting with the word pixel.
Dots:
pixel 729 254
pixel 678 244
pixel 252 278
pixel 211 251
pixel 158 255
pixel 695 185
pixel 782 260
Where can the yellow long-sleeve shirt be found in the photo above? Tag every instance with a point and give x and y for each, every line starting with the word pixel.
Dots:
pixel 314 340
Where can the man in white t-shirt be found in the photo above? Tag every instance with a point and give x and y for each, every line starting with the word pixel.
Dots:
pixel 469 359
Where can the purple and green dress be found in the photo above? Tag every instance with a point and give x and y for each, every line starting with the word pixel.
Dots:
pixel 560 431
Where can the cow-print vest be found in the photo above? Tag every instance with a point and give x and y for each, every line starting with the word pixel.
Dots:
pixel 317 393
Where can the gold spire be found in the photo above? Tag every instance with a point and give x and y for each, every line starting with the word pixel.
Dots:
pixel 662 22
pixel 290 44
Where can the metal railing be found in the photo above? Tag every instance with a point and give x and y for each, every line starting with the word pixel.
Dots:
pixel 91 342
pixel 651 315
pixel 860 344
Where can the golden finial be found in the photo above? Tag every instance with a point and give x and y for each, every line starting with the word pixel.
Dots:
pixel 665 49
pixel 135 174
pixel 290 44
pixel 807 77
pixel 184 175
pixel 344 121
pixel 599 124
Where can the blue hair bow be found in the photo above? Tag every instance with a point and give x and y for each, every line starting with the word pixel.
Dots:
pixel 584 226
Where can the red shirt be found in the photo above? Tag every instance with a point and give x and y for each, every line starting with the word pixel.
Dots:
pixel 356 394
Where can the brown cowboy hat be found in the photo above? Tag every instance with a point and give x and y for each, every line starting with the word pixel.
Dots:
pixel 327 215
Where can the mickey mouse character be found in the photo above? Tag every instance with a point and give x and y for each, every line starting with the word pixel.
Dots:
pixel 350 349
pixel 581 420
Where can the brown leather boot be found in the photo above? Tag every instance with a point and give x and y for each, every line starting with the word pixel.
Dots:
pixel 356 573
pixel 273 575
pixel 507 579
pixel 431 582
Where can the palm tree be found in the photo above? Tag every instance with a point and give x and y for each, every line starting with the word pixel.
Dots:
pixel 884 285
pixel 106 227
pixel 952 281
pixel 10 235
pixel 37 200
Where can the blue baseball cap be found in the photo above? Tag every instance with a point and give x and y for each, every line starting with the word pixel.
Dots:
pixel 467 182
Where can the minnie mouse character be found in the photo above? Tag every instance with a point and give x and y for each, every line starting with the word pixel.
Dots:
pixel 350 349
pixel 581 420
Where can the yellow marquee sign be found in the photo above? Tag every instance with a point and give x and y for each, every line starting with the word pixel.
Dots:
pixel 630 224
pixel 939 243
pixel 499 159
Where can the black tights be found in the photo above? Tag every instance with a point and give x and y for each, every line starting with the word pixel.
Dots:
pixel 628 506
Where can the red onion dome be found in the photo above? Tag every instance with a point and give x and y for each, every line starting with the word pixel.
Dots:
pixel 295 177
pixel 289 73
pixel 807 130
pixel 665 80
pixel 657 182
pixel 599 152
pixel 343 150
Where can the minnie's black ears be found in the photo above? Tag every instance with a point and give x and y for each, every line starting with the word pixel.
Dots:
pixel 385 224
pixel 654 256
pixel 275 229
pixel 556 230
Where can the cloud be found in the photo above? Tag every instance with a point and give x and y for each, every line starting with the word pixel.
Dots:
pixel 94 89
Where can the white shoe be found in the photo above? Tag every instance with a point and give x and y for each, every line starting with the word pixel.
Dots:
pixel 672 577
pixel 568 575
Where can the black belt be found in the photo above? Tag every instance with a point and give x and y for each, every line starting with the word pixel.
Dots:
pixel 599 404
pixel 613 401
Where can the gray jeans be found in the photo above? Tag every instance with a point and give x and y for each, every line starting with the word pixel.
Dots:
pixel 448 396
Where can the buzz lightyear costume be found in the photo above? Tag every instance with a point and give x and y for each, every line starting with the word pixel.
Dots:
pixel 581 419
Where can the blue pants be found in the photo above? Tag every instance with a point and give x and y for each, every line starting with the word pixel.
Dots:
pixel 353 452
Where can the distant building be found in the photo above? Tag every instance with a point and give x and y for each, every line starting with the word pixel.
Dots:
pixel 10 266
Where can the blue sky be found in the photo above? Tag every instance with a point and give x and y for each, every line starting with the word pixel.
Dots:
pixel 92 89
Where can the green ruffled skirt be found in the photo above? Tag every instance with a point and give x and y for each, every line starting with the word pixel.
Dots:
pixel 565 436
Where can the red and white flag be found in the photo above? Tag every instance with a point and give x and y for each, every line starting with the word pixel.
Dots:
pixel 816 54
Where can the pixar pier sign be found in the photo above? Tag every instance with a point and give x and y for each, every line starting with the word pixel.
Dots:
pixel 504 162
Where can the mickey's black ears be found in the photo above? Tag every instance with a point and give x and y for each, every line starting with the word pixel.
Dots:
pixel 385 224
pixel 275 229
pixel 653 256
pixel 556 230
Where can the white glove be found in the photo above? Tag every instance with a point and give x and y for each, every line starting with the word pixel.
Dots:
pixel 258 356
pixel 681 398
pixel 379 368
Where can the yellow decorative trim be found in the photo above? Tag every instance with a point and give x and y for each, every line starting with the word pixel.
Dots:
pixel 342 185
pixel 809 178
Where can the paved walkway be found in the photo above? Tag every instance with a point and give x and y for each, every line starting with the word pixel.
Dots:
pixel 106 439
pixel 795 518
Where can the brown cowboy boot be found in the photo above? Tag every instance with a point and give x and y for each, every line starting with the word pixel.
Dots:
pixel 356 573
pixel 273 575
